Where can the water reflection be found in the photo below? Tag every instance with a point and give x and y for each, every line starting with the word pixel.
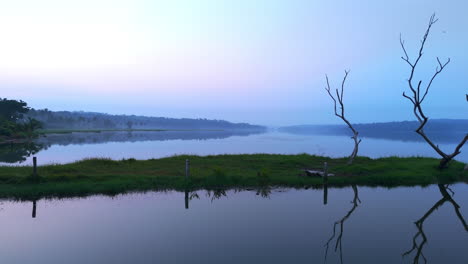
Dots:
pixel 420 238
pixel 338 244
pixel 13 153
pixel 81 138
pixel 189 195
pixel 264 191
pixel 273 230
pixel 34 209
pixel 216 194
pixel 441 135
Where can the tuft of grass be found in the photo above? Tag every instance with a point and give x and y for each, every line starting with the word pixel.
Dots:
pixel 105 176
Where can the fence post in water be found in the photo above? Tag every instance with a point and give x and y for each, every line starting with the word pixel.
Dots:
pixel 35 167
pixel 187 169
pixel 325 183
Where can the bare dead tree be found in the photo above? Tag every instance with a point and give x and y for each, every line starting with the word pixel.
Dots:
pixel 420 239
pixel 338 244
pixel 338 103
pixel 418 94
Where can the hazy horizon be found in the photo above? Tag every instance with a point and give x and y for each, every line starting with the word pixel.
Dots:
pixel 262 63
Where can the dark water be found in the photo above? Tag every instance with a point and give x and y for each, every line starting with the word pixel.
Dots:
pixel 371 225
pixel 65 148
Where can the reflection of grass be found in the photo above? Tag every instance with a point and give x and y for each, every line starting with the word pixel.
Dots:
pixel 68 131
pixel 214 172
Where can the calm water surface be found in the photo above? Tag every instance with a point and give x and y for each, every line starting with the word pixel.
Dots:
pixel 359 225
pixel 145 145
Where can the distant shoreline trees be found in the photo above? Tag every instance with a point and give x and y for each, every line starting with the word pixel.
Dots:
pixel 80 120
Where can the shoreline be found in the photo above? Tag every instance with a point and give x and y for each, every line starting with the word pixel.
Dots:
pixel 257 171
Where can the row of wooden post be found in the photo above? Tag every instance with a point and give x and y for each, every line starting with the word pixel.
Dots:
pixel 187 174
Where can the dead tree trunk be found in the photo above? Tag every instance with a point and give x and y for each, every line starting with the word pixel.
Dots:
pixel 418 95
pixel 341 114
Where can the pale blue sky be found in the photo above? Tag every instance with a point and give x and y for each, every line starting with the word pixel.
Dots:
pixel 258 61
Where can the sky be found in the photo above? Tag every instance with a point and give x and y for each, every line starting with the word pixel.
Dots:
pixel 261 61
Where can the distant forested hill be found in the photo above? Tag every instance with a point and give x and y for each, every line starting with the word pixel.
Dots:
pixel 90 120
pixel 442 130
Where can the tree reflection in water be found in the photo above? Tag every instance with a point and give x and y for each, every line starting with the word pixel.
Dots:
pixel 18 152
pixel 216 194
pixel 264 191
pixel 338 244
pixel 420 239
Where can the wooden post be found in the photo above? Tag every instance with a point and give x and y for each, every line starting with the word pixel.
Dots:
pixel 34 209
pixel 325 183
pixel 187 168
pixel 325 172
pixel 35 167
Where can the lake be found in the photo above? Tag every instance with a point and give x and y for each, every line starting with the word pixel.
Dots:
pixel 357 225
pixel 65 148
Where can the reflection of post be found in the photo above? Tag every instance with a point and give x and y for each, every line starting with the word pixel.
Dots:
pixel 325 183
pixel 34 209
pixel 186 199
pixel 325 194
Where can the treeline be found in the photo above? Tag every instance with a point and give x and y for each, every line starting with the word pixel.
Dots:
pixel 91 120
pixel 443 130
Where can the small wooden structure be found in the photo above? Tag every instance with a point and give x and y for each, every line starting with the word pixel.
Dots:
pixel 317 173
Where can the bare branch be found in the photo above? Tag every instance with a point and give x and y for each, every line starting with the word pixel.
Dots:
pixel 341 115
pixel 417 100
pixel 329 93
pixel 438 70
pixel 409 98
pixel 406 58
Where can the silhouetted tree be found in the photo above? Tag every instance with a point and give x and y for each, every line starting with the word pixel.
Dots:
pixel 30 127
pixel 13 125
pixel 418 94
pixel 341 114
pixel 12 110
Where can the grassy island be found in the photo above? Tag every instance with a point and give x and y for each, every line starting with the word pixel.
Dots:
pixel 103 176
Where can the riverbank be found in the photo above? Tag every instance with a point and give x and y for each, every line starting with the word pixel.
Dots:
pixel 102 176
pixel 69 131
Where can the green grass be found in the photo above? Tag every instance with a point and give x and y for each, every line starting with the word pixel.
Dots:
pixel 103 176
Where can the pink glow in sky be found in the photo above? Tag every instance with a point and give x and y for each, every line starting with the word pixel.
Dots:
pixel 255 61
